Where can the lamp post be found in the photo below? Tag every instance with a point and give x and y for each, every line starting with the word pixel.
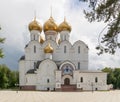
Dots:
pixel 92 86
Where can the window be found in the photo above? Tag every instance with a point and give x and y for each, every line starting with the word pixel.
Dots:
pixel 96 79
pixel 64 49
pixel 34 37
pixel 78 49
pixel 48 80
pixel 78 65
pixel 50 37
pixel 65 37
pixel 34 65
pixel 34 49
pixel 81 79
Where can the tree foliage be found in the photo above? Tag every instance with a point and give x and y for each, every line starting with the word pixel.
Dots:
pixel 113 76
pixel 1 41
pixel 109 12
pixel 8 78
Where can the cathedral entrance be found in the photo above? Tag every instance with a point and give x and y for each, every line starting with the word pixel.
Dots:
pixel 67 85
pixel 67 81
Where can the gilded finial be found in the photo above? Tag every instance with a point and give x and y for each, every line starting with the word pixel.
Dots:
pixel 34 15
pixel 51 11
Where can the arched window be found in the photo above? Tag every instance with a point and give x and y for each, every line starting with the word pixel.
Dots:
pixel 65 49
pixel 34 65
pixel 50 37
pixel 78 65
pixel 81 79
pixel 78 49
pixel 34 37
pixel 34 49
pixel 96 79
pixel 48 80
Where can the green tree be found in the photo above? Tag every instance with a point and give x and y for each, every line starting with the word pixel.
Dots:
pixel 8 78
pixel 111 79
pixel 117 76
pixel 109 12
pixel 13 79
pixel 113 76
pixel 4 73
pixel 1 41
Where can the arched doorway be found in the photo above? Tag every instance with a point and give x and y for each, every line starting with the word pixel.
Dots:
pixel 67 81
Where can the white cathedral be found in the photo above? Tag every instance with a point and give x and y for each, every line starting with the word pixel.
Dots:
pixel 53 63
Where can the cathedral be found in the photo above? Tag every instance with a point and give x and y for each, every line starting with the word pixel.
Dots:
pixel 52 63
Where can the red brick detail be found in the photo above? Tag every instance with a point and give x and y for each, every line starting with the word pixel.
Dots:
pixel 27 87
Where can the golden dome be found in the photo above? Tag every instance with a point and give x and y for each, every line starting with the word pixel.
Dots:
pixel 48 49
pixel 50 25
pixel 64 26
pixel 34 25
pixel 41 40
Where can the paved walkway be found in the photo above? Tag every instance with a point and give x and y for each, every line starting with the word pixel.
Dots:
pixel 37 96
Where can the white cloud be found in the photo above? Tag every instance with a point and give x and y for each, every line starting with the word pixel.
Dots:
pixel 15 16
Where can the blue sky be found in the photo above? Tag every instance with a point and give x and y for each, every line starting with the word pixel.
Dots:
pixel 15 16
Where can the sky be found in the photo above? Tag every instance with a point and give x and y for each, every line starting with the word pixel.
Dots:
pixel 15 16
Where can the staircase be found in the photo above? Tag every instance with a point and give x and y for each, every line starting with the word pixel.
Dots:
pixel 68 88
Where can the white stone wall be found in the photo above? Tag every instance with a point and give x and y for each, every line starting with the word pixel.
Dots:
pixel 89 80
pixel 46 71
pixel 22 72
pixel 31 79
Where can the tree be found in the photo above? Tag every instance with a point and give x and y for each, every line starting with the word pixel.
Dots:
pixel 8 78
pixel 110 75
pixel 1 41
pixel 113 76
pixel 117 75
pixel 109 12
pixel 4 73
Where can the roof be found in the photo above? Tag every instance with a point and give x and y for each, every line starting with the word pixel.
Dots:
pixel 22 57
pixel 91 71
pixel 31 71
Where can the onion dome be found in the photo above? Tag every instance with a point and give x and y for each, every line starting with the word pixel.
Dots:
pixel 48 49
pixel 64 26
pixel 41 40
pixel 50 25
pixel 35 25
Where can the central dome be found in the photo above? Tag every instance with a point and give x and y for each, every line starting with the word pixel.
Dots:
pixel 50 25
